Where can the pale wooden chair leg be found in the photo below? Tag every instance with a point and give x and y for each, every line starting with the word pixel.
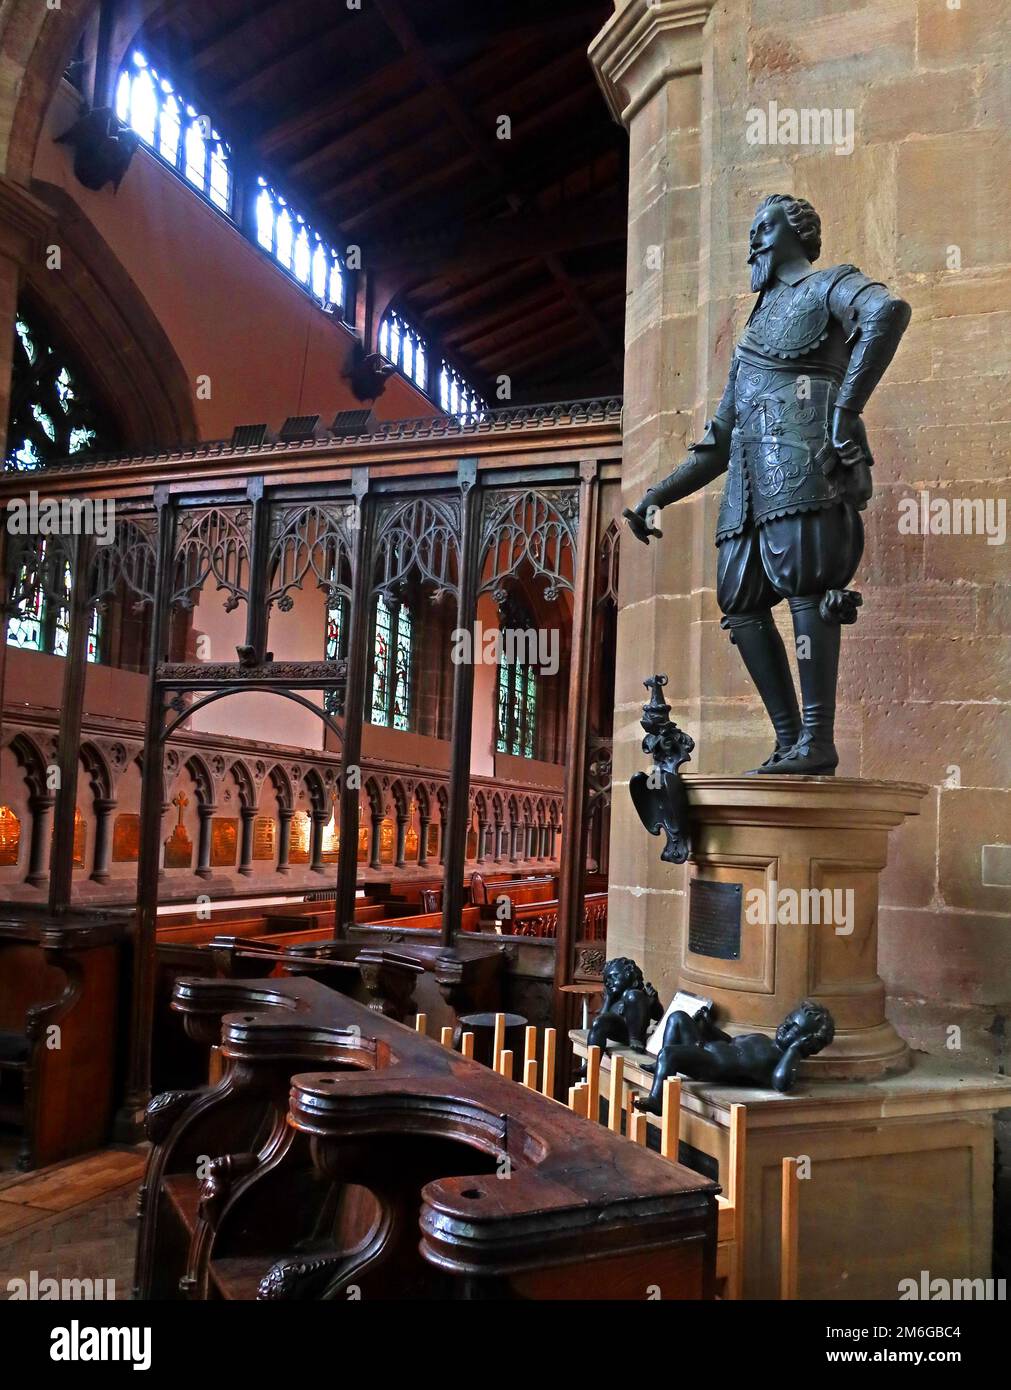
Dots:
pixel 614 1106
pixel 670 1119
pixel 593 1082
pixel 467 1045
pixel 789 1242
pixel 637 1128
pixel 577 1098
pixel 446 1037
pixel 499 1041
pixel 530 1073
pixel 421 1023
pixel 548 1073
pixel 529 1047
pixel 505 1063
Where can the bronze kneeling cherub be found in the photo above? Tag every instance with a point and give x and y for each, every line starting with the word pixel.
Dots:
pixel 696 1048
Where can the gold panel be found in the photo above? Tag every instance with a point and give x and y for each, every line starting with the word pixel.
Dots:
pixel 363 845
pixel 126 838
pixel 433 839
pixel 411 844
pixel 387 838
pixel 331 839
pixel 10 836
pixel 80 838
pixel 298 852
pixel 224 841
pixel 263 837
pixel 179 846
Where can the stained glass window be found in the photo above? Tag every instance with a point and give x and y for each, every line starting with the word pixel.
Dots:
pixel 517 709
pixel 185 138
pixel 36 625
pixel 391 665
pixel 53 412
pixel 299 250
pixel 404 346
pixel 335 648
pixel 459 399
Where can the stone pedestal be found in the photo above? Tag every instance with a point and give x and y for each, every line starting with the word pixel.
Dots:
pixel 898 1178
pixel 804 854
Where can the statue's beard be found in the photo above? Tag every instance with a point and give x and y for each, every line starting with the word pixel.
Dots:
pixel 761 270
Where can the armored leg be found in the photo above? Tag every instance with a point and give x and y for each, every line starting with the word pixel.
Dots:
pixel 756 637
pixel 818 663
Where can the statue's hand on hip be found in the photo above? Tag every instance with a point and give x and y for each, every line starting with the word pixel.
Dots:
pixel 640 526
pixel 849 438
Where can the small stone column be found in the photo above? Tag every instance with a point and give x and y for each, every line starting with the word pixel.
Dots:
pixel 205 813
pixel 375 862
pixel 248 816
pixel 319 818
pixel 104 807
pixel 401 853
pixel 41 808
pixel 284 818
pixel 423 840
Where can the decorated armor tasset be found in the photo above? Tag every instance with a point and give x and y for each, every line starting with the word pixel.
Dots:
pixel 789 436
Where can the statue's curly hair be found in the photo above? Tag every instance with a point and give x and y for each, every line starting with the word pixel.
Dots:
pixel 803 220
pixel 625 974
pixel 822 1027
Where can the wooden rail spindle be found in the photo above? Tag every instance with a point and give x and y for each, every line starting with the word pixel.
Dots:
pixel 505 1063
pixel 529 1047
pixel 617 1087
pixel 467 1045
pixel 548 1082
pixel 446 1037
pixel 593 1083
pixel 421 1024
pixel 637 1128
pixel 499 1041
pixel 577 1098
pixel 670 1119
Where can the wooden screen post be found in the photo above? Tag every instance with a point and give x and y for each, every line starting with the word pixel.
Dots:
pixel 529 1048
pixel 446 1037
pixel 498 1043
pixel 530 1073
pixel 354 699
pixel 467 1045
pixel 455 857
pixel 572 866
pixel 637 1128
pixel 75 670
pixel 421 1023
pixel 505 1065
pixel 129 1121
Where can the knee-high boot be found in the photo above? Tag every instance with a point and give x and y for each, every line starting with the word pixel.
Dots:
pixel 756 637
pixel 818 665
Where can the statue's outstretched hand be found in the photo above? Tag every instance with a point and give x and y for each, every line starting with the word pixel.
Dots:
pixel 639 527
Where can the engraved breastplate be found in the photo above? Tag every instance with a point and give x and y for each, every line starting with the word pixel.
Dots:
pixel 790 321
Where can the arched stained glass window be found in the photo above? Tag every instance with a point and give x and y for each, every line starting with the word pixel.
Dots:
pixel 36 625
pixel 335 647
pixel 403 345
pixel 458 398
pixel 53 412
pixel 517 709
pixel 297 248
pixel 391 665
pixel 184 137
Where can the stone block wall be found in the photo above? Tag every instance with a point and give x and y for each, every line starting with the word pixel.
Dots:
pixel 919 200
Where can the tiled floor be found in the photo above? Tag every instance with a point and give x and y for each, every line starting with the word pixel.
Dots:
pixel 76 1220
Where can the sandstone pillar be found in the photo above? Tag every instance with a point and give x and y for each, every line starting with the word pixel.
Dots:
pixel 649 59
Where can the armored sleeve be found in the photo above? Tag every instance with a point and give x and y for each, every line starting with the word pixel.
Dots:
pixel 708 458
pixel 875 322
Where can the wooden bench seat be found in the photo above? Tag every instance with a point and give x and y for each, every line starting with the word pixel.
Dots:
pixel 59 978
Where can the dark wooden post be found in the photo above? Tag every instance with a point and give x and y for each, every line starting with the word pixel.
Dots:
pixel 258 581
pixel 61 877
pixel 455 839
pixel 571 872
pixel 354 701
pixel 152 797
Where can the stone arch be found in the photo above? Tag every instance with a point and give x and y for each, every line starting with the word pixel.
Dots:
pixel 32 762
pixel 202 779
pixel 317 791
pixel 97 767
pixel 248 796
pixel 281 783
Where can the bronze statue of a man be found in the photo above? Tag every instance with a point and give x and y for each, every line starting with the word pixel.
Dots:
pixel 789 436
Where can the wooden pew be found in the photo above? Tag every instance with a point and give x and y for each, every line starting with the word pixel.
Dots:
pixel 354 1152
pixel 59 978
